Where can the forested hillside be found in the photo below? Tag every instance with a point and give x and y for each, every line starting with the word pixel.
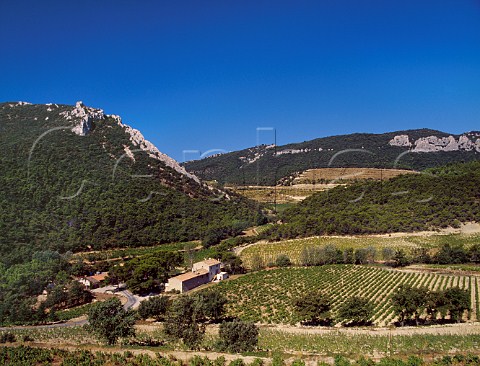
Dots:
pixel 267 164
pixel 437 198
pixel 74 178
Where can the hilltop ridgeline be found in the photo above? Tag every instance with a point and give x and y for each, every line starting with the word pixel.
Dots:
pixel 436 198
pixel 74 178
pixel 269 164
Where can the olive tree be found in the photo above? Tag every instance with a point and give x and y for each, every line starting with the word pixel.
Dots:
pixel 356 311
pixel 238 336
pixel 110 321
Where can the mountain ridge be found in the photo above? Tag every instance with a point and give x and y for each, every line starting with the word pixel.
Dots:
pixel 90 181
pixel 397 149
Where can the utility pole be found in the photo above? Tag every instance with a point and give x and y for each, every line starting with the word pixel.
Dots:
pixel 275 182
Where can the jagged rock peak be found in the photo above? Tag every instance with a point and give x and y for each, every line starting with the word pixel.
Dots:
pixel 84 117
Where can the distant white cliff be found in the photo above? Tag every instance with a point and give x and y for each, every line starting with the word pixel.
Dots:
pixel 466 142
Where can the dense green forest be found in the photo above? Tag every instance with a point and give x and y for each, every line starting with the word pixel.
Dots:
pixel 439 197
pixel 268 164
pixel 65 192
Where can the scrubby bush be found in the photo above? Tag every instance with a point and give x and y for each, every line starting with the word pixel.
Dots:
pixel 238 336
pixel 283 261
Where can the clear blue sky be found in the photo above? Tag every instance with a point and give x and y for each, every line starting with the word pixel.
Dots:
pixel 199 75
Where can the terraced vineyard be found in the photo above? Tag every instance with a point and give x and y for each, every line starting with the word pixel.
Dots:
pixel 292 248
pixel 267 296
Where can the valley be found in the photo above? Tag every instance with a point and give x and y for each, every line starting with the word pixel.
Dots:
pixel 297 253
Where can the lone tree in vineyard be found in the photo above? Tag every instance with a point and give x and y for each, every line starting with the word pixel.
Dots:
pixel 184 320
pixel 212 302
pixel 314 308
pixel 155 307
pixel 356 311
pixel 238 336
pixel 110 321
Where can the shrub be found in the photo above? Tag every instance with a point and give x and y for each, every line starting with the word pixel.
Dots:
pixel 27 338
pixel 238 336
pixel 283 261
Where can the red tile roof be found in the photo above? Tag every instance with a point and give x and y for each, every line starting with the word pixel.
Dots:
pixel 99 277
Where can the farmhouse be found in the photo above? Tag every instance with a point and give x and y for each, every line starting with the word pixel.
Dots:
pixel 211 265
pixel 94 281
pixel 202 272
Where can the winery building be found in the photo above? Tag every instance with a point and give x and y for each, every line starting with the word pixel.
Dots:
pixel 202 272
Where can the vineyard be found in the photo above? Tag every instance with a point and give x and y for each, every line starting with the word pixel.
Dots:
pixel 368 344
pixel 280 194
pixel 23 355
pixel 267 296
pixel 269 251
pixel 346 342
pixel 338 346
pixel 113 254
pixel 336 174
pixel 312 181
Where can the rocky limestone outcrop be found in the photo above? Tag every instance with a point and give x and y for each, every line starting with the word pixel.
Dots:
pixel 141 143
pixel 464 143
pixel 434 143
pixel 84 117
pixel 400 140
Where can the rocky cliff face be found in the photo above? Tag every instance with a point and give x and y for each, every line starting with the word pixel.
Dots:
pixel 140 142
pixel 466 142
pixel 84 117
